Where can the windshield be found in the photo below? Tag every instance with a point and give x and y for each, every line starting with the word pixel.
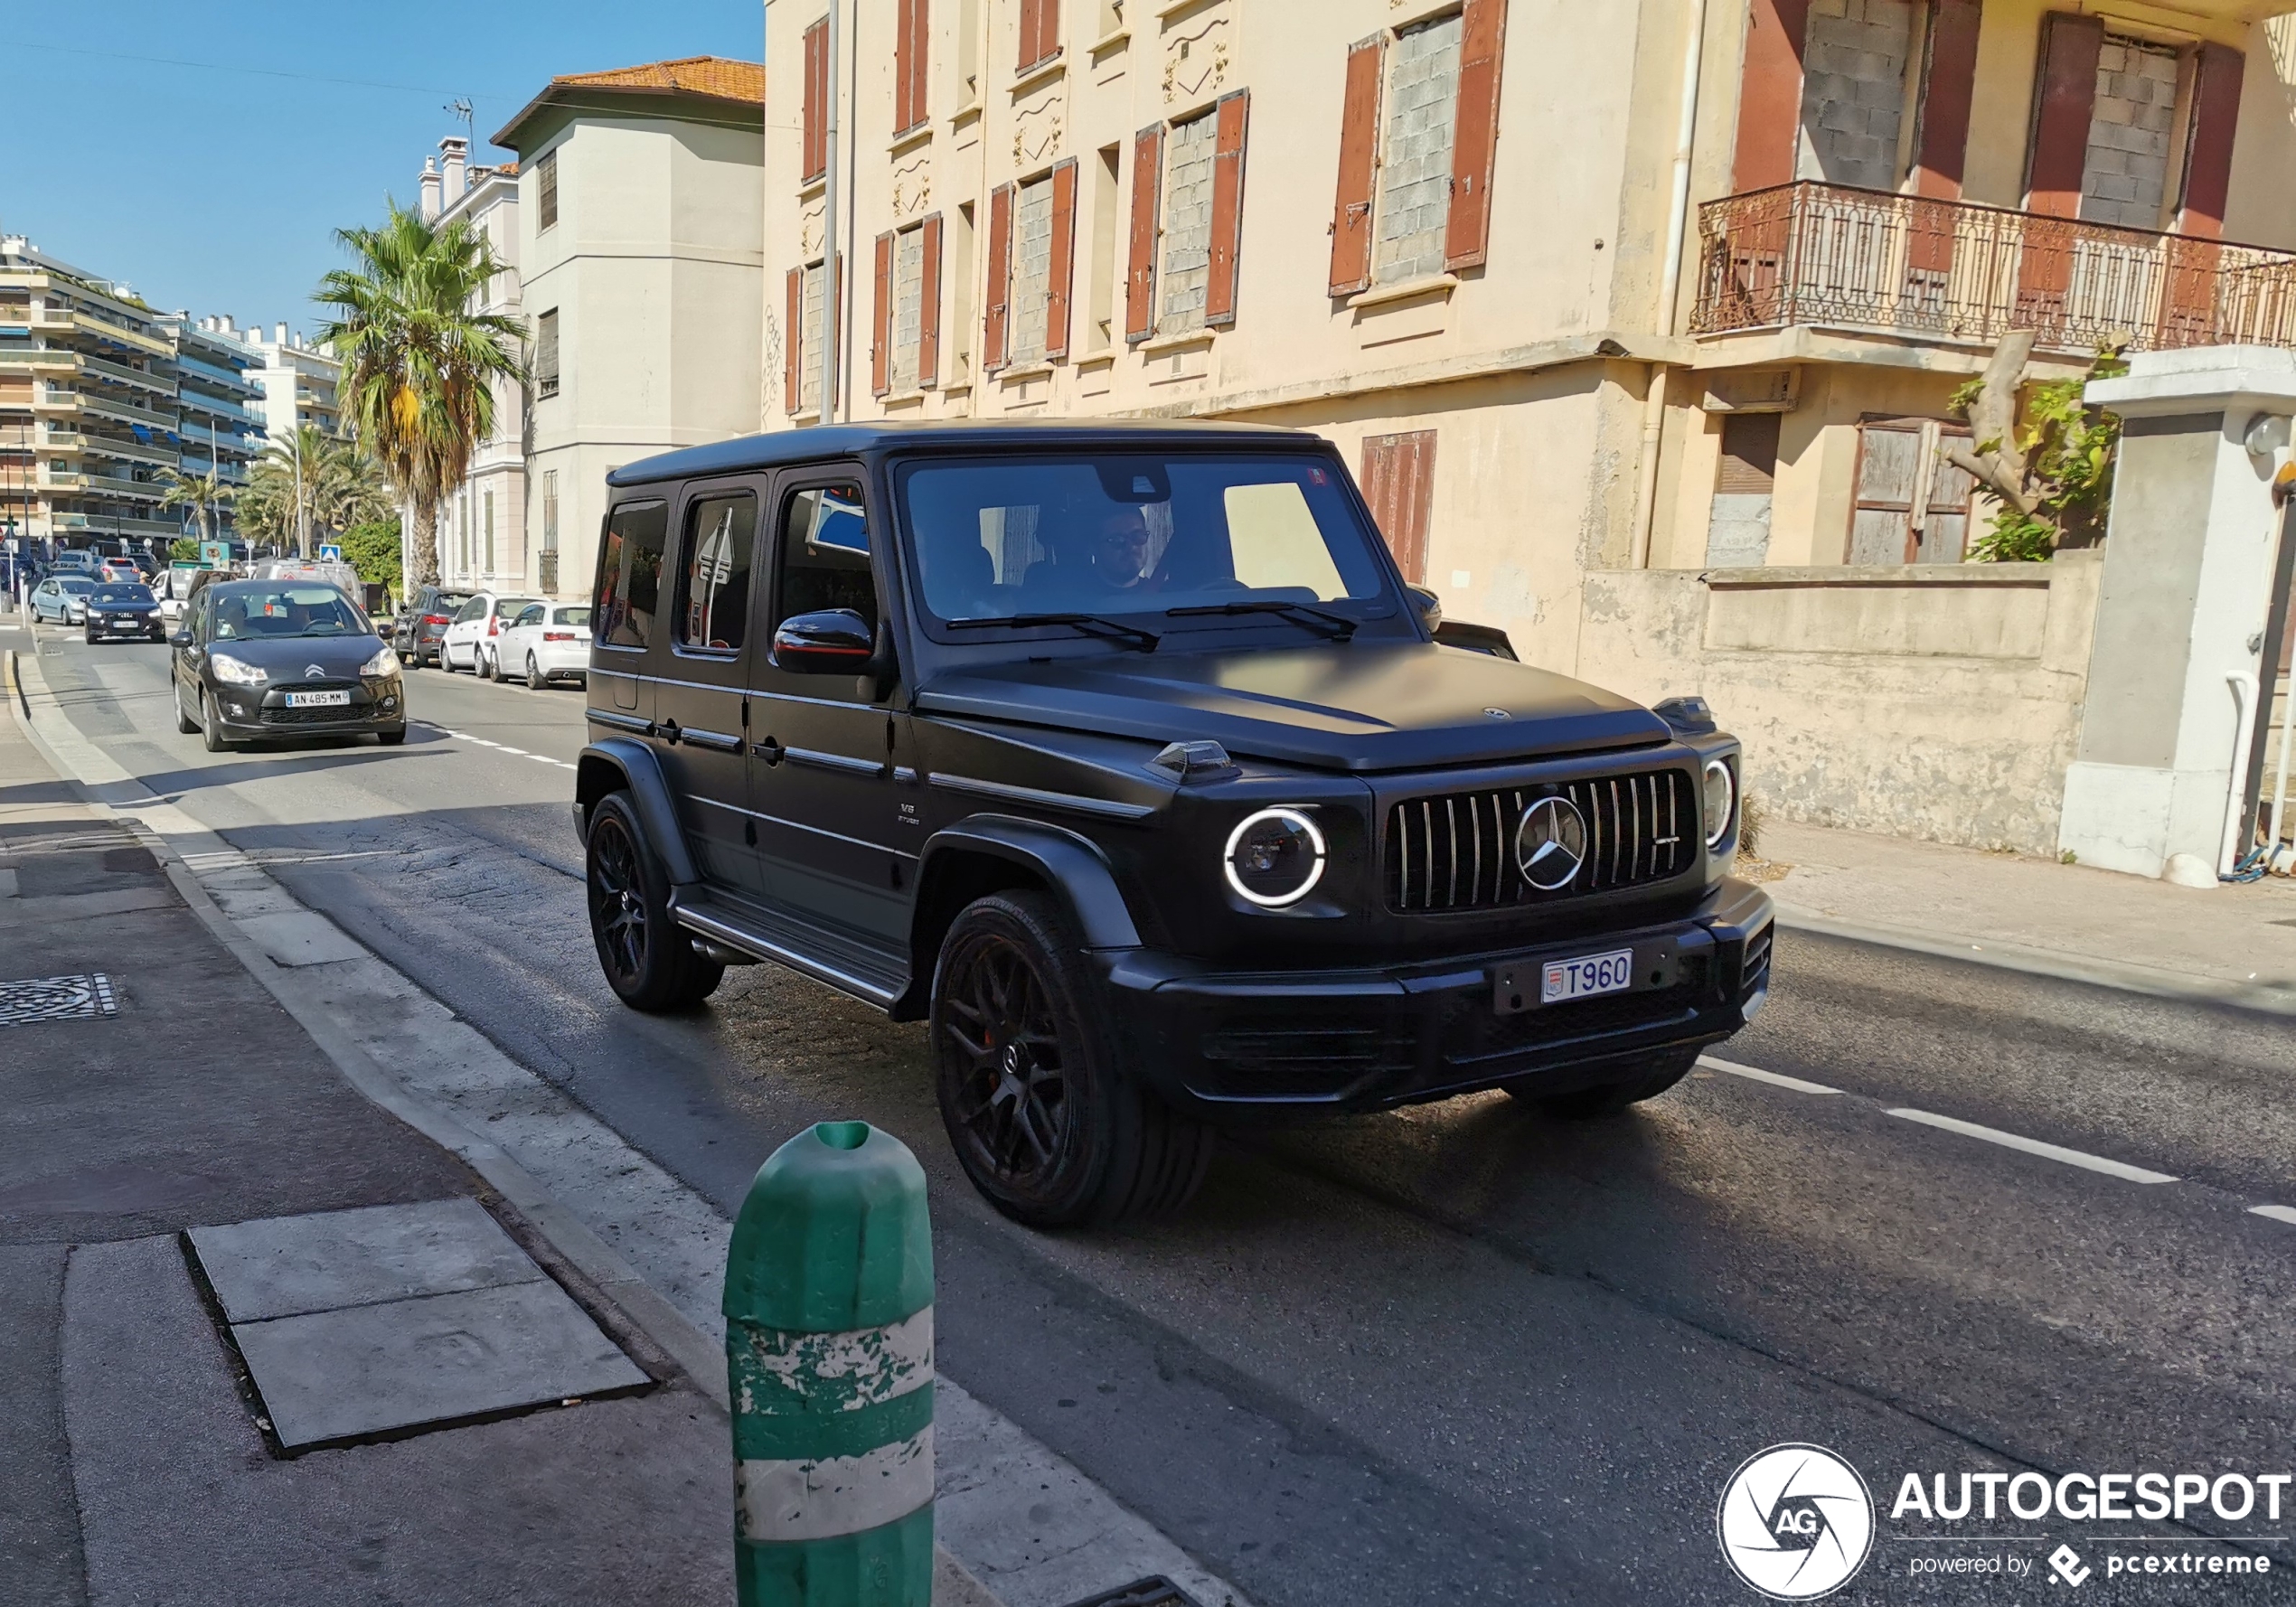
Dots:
pixel 122 594
pixel 73 584
pixel 1137 534
pixel 286 609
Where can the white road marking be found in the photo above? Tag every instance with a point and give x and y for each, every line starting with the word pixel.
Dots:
pixel 2277 1213
pixel 1760 1075
pixel 2033 1146
pixel 516 752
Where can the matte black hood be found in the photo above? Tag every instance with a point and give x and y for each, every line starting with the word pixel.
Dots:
pixel 289 658
pixel 1346 706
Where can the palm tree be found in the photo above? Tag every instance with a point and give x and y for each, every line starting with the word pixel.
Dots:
pixel 294 470
pixel 202 494
pixel 419 365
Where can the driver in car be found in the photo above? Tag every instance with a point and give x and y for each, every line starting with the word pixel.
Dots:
pixel 1120 548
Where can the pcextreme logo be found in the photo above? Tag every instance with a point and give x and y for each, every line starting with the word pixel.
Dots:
pixel 1796 1522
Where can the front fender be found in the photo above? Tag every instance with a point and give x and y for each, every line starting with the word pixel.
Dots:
pixel 623 764
pixel 1070 865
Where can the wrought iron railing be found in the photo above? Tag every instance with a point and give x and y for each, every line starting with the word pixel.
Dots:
pixel 1809 253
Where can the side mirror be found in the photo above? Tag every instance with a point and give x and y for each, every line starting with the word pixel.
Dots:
pixel 1428 606
pixel 831 642
pixel 182 638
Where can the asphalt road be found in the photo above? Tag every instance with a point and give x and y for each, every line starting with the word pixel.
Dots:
pixel 1462 1353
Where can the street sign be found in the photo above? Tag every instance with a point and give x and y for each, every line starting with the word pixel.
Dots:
pixel 330 553
pixel 214 555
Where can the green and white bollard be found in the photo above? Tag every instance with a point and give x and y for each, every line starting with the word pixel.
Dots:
pixel 829 1353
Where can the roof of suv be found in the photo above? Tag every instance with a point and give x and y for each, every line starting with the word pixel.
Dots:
pixel 845 440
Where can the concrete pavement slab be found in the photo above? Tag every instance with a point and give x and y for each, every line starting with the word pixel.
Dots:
pixel 329 1376
pixel 283 1267
pixel 300 938
pixel 40 1563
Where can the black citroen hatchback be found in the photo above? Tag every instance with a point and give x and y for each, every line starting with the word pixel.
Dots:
pixel 1125 757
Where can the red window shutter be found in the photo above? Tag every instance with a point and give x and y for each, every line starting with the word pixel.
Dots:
pixel 1064 260
pixel 816 67
pixel 993 343
pixel 881 345
pixel 2216 107
pixel 1359 161
pixel 792 341
pixel 1039 30
pixel 920 60
pixel 2065 99
pixel 1228 207
pixel 1946 95
pixel 1398 481
pixel 1770 95
pixel 929 311
pixel 1147 183
pixel 1474 141
pixel 904 47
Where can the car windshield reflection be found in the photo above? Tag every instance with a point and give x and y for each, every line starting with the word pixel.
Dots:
pixel 263 612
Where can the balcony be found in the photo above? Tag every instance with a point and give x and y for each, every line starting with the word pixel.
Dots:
pixel 163 383
pixel 17 354
pixel 109 524
pixel 1814 254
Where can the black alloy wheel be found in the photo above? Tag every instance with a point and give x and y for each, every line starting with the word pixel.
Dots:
pixel 649 960
pixel 1046 1121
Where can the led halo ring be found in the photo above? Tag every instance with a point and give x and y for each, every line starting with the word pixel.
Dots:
pixel 1718 829
pixel 1314 837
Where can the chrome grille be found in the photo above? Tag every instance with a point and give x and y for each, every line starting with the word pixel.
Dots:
pixel 1456 850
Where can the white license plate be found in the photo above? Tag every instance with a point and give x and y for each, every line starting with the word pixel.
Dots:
pixel 339 700
pixel 1585 977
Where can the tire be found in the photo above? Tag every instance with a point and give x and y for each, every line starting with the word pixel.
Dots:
pixel 184 723
pixel 397 738
pixel 211 726
pixel 88 636
pixel 649 962
pixel 1047 1122
pixel 1661 1072
pixel 405 657
pixel 535 680
pixel 494 667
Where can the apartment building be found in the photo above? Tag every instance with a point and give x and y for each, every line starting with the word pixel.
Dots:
pixel 1671 282
pixel 483 529
pixel 641 253
pixel 297 380
pixel 89 415
pixel 220 427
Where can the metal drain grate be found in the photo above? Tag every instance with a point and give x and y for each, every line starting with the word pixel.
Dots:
pixel 1157 1591
pixel 56 999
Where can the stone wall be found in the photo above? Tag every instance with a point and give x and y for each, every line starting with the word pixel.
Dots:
pixel 1415 158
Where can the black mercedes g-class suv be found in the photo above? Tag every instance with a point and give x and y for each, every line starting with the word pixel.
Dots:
pixel 1125 757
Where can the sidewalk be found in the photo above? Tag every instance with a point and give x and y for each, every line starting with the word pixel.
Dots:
pixel 2234 943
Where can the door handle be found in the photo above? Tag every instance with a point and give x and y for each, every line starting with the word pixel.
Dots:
pixel 668 731
pixel 768 750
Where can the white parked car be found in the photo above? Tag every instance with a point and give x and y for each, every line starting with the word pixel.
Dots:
pixel 63 598
pixel 546 641
pixel 469 641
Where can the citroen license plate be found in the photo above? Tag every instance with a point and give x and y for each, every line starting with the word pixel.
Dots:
pixel 334 699
pixel 1585 977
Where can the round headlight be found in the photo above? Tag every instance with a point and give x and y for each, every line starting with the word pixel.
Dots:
pixel 1274 858
pixel 1721 801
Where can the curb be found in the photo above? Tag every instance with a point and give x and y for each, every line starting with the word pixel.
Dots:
pixel 2154 981
pixel 698 1357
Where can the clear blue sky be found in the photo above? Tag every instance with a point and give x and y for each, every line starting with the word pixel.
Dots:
pixel 216 185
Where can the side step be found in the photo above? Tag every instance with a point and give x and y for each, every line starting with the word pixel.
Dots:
pixel 866 973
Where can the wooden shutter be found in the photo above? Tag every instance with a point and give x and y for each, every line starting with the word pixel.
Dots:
pixel 2065 99
pixel 1228 207
pixel 1948 88
pixel 816 69
pixel 1398 481
pixel 881 345
pixel 912 24
pixel 1749 455
pixel 792 341
pixel 2216 107
pixel 1770 95
pixel 995 342
pixel 1358 165
pixel 1889 460
pixel 928 310
pixel 1474 142
pixel 1063 266
pixel 1039 30
pixel 1147 183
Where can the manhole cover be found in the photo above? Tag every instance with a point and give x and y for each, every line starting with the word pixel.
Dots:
pixel 55 999
pixel 1157 1591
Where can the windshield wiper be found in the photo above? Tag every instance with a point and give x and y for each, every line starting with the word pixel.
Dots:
pixel 1098 625
pixel 1336 627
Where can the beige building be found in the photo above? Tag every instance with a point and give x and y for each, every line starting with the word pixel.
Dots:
pixel 1671 283
pixel 640 253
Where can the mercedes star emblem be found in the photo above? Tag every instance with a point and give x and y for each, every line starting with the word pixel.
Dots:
pixel 1499 714
pixel 1550 844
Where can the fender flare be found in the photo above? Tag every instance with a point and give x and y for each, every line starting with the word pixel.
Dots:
pixel 1073 866
pixel 614 764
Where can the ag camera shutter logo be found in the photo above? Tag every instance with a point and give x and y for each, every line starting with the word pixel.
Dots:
pixel 1796 1522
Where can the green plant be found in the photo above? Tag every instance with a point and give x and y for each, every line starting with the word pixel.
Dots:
pixel 373 549
pixel 2050 470
pixel 419 366
pixel 201 494
pixel 184 549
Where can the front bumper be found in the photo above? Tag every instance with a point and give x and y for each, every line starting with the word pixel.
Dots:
pixel 126 624
pixel 1231 1044
pixel 260 711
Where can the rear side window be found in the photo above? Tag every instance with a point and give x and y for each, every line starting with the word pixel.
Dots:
pixel 713 587
pixel 824 553
pixel 629 574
